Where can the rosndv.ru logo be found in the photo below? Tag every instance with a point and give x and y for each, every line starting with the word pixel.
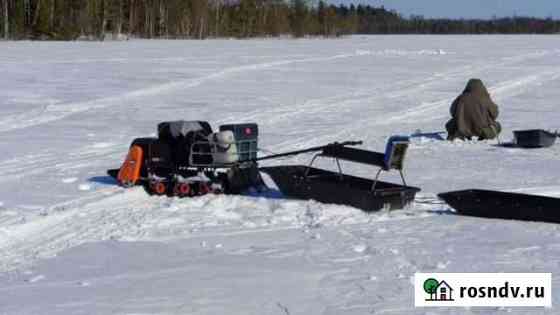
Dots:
pixel 482 289
pixel 504 291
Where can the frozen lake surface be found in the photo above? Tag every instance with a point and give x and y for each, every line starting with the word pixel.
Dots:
pixel 71 242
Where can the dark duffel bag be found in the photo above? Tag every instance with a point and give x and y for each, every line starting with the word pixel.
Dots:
pixel 180 129
pixel 184 137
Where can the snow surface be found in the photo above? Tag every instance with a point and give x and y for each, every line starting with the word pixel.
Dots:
pixel 71 242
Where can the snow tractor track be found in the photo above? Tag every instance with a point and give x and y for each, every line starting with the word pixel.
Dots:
pixel 429 111
pixel 115 214
pixel 56 112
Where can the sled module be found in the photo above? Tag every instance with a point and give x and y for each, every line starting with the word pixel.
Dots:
pixel 307 182
pixel 534 138
pixel 503 205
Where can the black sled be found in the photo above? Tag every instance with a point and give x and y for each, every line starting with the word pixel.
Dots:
pixel 503 205
pixel 534 138
pixel 307 182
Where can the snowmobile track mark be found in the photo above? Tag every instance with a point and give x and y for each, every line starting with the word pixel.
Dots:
pixel 428 111
pixel 56 112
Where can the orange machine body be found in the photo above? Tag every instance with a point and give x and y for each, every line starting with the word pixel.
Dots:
pixel 129 173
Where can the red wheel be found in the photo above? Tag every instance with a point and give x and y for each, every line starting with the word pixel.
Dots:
pixel 183 189
pixel 203 189
pixel 159 188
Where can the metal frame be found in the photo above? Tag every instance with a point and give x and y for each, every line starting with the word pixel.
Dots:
pixel 390 164
pixel 388 167
pixel 214 149
pixel 341 175
pixel 379 173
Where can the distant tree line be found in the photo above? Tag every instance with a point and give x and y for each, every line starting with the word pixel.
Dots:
pixel 96 19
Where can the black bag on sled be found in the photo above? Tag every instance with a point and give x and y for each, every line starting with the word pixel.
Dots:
pixel 180 129
pixel 185 137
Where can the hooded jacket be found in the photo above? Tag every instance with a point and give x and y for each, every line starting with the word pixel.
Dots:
pixel 473 113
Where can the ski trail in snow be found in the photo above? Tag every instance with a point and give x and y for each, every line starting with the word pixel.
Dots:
pixel 173 60
pixel 40 163
pixel 55 112
pixel 425 112
pixel 132 215
pixel 380 91
pixel 416 86
pixel 501 91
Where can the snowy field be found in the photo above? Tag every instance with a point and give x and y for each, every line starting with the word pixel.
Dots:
pixel 71 242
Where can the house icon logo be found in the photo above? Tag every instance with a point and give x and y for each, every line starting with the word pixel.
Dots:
pixel 438 290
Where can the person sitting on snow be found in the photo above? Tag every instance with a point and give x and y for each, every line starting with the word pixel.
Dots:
pixel 473 114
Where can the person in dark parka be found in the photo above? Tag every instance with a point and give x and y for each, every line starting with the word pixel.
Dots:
pixel 473 114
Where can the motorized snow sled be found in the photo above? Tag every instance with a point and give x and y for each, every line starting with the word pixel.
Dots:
pixel 503 205
pixel 188 159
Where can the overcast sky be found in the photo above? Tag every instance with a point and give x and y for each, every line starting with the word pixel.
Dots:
pixel 469 8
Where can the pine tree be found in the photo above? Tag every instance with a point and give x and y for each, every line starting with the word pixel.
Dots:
pixel 298 18
pixel 6 19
